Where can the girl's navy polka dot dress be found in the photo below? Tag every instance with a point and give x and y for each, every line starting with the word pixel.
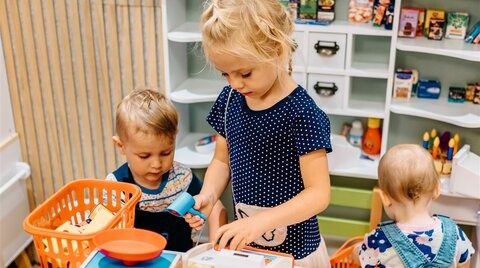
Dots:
pixel 265 147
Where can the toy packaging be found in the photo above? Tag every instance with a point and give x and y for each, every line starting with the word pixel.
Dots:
pixel 435 31
pixel 326 11
pixel 469 92
pixel 457 23
pixel 476 98
pixel 307 11
pixel 408 22
pixel 389 13
pixel 456 94
pixel 432 14
pixel 291 7
pixel 429 89
pixel 379 11
pixel 403 84
pixel 421 21
pixel 473 34
pixel 360 10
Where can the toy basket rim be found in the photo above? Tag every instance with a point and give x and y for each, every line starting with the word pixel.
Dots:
pixel 347 247
pixel 87 182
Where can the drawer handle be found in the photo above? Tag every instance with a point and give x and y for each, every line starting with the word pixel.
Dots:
pixel 326 48
pixel 325 89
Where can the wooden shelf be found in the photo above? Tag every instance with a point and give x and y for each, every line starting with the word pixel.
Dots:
pixel 461 114
pixel 186 154
pixel 455 48
pixel 197 90
pixel 339 26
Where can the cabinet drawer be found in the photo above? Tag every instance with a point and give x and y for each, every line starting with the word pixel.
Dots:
pixel 326 51
pixel 324 82
pixel 299 58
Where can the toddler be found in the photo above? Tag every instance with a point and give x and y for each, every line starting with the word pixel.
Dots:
pixel 146 127
pixel 409 183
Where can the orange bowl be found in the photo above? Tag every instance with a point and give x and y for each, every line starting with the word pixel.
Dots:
pixel 130 245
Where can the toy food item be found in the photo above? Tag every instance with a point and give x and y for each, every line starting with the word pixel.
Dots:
pixel 372 139
pixel 360 10
pixel 408 22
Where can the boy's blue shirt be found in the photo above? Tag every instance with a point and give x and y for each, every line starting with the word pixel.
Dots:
pixel 150 211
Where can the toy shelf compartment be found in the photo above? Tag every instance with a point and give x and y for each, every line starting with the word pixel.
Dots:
pixel 74 202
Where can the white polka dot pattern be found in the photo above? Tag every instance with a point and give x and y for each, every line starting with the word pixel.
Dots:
pixel 265 147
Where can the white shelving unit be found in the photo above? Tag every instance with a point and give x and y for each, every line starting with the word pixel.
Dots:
pixel 185 89
pixel 357 60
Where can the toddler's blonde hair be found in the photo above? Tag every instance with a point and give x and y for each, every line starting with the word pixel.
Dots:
pixel 148 111
pixel 259 30
pixel 406 171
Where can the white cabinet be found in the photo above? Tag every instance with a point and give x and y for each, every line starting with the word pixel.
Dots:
pixel 361 69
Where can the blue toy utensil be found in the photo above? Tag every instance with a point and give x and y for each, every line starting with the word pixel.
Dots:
pixel 183 204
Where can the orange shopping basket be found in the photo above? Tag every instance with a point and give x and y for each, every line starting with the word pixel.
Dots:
pixel 342 258
pixel 74 202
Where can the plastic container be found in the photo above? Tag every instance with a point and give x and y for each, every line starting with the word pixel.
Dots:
pixel 342 258
pixel 356 134
pixel 372 139
pixel 74 202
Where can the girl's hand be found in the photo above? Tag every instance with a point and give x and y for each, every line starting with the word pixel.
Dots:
pixel 203 204
pixel 239 233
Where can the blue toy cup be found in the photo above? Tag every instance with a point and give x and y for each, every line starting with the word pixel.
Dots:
pixel 183 204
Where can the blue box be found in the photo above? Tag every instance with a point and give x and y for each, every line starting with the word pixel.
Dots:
pixel 428 89
pixel 167 259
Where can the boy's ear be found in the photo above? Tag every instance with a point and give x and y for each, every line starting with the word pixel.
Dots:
pixel 437 192
pixel 118 143
pixel 387 202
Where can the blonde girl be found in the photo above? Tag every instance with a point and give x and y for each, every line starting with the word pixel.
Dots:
pixel 273 139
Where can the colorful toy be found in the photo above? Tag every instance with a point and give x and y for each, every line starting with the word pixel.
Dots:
pixel 183 204
pixel 130 245
pixel 443 148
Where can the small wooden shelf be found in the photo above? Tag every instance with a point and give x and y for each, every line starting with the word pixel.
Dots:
pixel 339 26
pixel 455 48
pixel 186 154
pixel 461 114
pixel 195 90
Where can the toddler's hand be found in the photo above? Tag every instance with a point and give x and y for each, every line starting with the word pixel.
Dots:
pixel 202 204
pixel 239 233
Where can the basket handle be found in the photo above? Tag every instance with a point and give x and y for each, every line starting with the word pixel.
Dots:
pixel 350 242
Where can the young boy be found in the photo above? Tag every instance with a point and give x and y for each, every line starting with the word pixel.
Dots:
pixel 409 183
pixel 146 128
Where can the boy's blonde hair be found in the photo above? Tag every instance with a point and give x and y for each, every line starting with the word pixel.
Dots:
pixel 407 171
pixel 259 30
pixel 148 111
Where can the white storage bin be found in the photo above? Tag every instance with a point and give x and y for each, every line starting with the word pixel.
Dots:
pixel 14 200
pixel 465 178
pixel 334 101
pixel 326 51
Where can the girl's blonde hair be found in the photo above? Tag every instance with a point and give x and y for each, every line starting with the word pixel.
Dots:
pixel 259 30
pixel 148 111
pixel 407 171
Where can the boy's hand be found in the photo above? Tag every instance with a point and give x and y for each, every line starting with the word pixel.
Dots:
pixel 203 204
pixel 239 233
